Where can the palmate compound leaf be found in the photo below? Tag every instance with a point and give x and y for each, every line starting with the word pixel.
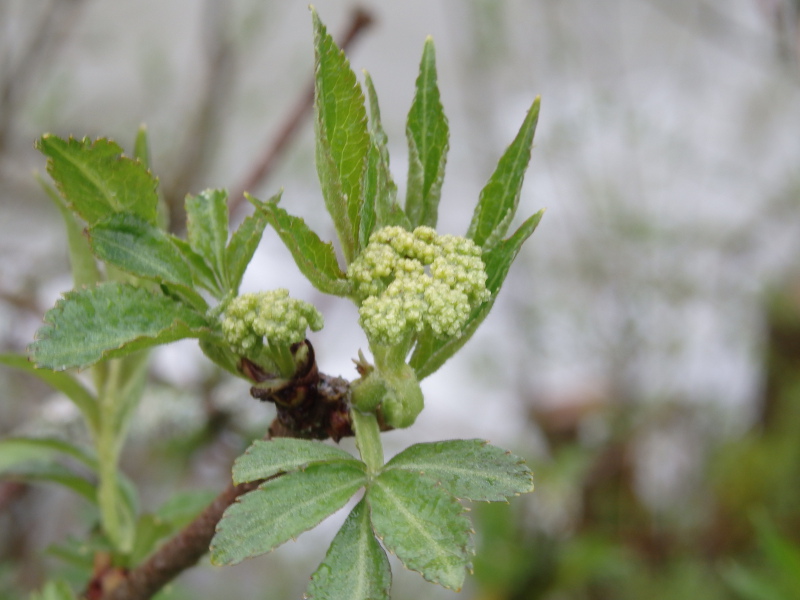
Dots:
pixel 423 524
pixel 265 458
pixel 110 321
pixel 283 508
pixel 355 566
pixel 97 181
pixel 468 469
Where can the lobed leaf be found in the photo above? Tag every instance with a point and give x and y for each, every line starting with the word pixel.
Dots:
pixel 97 180
pixel 342 137
pixel 109 321
pixel 63 382
pixel 207 230
pixel 430 352
pixel 264 458
pixel 137 247
pixel 498 200
pixel 428 141
pixel 423 525
pixel 242 246
pixel 283 508
pixel 315 259
pixel 468 469
pixel 355 566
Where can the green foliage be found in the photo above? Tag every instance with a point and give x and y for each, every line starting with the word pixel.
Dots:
pixel 54 590
pixel 412 500
pixel 421 296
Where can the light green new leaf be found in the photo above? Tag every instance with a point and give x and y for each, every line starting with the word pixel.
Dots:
pixel 97 181
pixel 423 525
pixel 428 141
pixel 355 566
pixel 207 229
pixel 283 508
pixel 54 590
pixel 141 147
pixel 468 469
pixel 110 321
pixel 81 260
pixel 202 275
pixel 20 450
pixel 63 382
pixel 315 259
pixel 242 246
pixel 380 207
pixel 342 137
pixel 136 246
pixel 430 352
pixel 52 472
pixel 499 198
pixel 267 458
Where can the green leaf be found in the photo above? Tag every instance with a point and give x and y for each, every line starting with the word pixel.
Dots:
pixel 242 246
pixel 468 469
pixel 423 525
pixel 315 259
pixel 202 275
pixel 342 137
pixel 54 590
pixel 207 229
pixel 428 134
pixel 430 352
pixel 97 181
pixel 63 382
pixel 355 566
pixel 20 450
pixel 109 321
pixel 136 246
pixel 499 198
pixel 81 259
pixel 264 458
pixel 283 508
pixel 221 355
pixel 380 207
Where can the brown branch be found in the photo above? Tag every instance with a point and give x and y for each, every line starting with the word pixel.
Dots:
pixel 360 20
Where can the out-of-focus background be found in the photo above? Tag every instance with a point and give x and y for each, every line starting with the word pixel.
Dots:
pixel 644 355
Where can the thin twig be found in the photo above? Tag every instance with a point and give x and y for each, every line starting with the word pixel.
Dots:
pixel 360 20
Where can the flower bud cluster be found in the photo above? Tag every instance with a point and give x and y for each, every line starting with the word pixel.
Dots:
pixel 410 280
pixel 250 319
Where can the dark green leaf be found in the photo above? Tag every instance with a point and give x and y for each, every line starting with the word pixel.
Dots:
pixel 267 458
pixel 498 201
pixel 109 321
pixel 342 137
pixel 430 352
pixel 207 229
pixel 63 382
pixel 428 134
pixel 135 246
pixel 97 181
pixel 242 246
pixel 423 525
pixel 283 508
pixel 315 259
pixel 355 567
pixel 468 469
